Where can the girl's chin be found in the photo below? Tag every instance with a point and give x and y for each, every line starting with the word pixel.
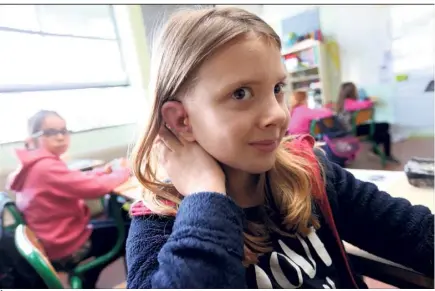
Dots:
pixel 60 151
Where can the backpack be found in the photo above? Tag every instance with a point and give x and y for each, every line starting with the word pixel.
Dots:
pixel 341 144
pixel 15 271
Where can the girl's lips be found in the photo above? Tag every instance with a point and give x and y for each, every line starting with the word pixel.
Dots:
pixel 265 145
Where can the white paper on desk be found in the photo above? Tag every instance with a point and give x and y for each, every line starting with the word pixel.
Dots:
pixel 382 179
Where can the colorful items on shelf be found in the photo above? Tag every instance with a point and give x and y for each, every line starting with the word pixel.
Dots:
pixel 293 38
pixel 305 59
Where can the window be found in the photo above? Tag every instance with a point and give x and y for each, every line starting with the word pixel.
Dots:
pixel 66 58
pixel 54 47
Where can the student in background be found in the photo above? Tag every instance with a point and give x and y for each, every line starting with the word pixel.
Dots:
pixel 348 100
pixel 51 197
pixel 301 115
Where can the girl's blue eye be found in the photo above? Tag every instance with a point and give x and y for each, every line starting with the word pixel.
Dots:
pixel 242 94
pixel 279 88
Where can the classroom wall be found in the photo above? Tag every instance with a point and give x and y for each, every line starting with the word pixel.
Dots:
pixel 111 142
pixel 363 45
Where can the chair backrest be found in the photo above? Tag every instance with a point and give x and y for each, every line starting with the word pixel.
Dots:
pixel 315 129
pixel 30 248
pixel 362 116
pixel 10 216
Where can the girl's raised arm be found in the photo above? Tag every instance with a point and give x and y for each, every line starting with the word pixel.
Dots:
pixel 201 248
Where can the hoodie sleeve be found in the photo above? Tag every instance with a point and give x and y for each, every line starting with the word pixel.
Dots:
pixel 353 105
pixel 66 182
pixel 385 226
pixel 318 113
pixel 202 248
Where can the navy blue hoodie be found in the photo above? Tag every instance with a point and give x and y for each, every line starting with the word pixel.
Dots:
pixel 202 247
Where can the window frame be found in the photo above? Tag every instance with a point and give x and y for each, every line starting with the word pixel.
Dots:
pixel 16 88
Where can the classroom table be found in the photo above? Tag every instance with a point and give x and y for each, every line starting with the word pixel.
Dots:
pixel 396 184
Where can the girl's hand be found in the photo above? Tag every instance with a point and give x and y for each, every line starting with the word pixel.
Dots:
pixel 107 169
pixel 190 168
pixel 116 164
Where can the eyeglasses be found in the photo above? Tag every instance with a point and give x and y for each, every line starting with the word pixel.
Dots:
pixel 49 132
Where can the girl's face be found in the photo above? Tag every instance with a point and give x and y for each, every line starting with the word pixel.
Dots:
pixel 237 110
pixel 54 135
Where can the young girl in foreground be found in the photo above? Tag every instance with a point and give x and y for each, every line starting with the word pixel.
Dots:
pixel 244 207
pixel 51 197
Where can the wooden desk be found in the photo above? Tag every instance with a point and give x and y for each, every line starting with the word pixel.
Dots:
pixel 396 184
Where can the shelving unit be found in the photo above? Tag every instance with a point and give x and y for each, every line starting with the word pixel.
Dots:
pixel 314 66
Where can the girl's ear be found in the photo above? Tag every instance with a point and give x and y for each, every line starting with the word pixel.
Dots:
pixel 175 117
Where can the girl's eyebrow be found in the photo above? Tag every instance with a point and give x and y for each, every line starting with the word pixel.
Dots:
pixel 246 81
pixel 241 82
pixel 283 77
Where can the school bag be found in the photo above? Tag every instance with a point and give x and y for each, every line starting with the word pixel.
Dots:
pixel 341 146
pixel 15 271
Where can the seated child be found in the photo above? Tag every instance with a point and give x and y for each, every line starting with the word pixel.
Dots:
pixel 51 196
pixel 301 115
pixel 349 100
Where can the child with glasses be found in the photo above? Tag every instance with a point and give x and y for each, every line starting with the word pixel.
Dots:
pixel 51 196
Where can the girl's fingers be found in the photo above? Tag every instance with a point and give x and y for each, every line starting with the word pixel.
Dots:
pixel 169 139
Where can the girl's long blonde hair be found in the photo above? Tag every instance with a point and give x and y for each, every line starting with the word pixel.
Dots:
pixel 187 40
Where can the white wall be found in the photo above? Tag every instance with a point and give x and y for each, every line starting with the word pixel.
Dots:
pixel 363 35
pixel 362 42
pixel 413 54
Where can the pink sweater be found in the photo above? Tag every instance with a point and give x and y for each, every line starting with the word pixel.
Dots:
pixel 51 199
pixel 353 105
pixel 301 116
